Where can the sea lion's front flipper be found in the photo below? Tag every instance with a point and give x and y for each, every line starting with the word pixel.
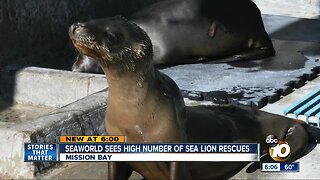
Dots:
pixel 178 170
pixel 249 54
pixel 297 138
pixel 253 54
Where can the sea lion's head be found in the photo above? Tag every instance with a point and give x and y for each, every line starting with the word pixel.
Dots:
pixel 112 41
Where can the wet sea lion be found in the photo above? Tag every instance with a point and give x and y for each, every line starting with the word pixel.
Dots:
pixel 192 31
pixel 133 77
pixel 147 106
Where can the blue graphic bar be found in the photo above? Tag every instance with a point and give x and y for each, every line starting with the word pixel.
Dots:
pixel 40 152
pixel 292 166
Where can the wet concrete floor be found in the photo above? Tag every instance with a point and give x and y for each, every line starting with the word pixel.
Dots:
pixel 18 113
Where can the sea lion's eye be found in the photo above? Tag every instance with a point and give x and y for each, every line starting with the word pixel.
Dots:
pixel 111 37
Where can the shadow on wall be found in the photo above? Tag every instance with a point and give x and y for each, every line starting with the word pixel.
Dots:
pixel 7 84
pixel 35 33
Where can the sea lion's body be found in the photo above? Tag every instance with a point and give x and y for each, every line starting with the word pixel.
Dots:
pixel 147 106
pixel 191 31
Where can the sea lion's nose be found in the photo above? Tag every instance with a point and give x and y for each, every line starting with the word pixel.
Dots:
pixel 74 27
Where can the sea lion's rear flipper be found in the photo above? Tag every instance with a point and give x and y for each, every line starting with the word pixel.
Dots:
pixel 314 133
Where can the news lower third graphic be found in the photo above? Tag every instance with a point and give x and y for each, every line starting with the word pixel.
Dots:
pixel 158 152
pixel 114 148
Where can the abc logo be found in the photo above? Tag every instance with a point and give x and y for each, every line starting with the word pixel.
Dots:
pixel 279 150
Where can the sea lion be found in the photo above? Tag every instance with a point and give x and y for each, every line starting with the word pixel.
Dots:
pixel 86 64
pixel 192 31
pixel 147 106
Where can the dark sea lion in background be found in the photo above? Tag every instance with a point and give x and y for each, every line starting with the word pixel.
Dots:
pixel 86 64
pixel 193 31
pixel 146 106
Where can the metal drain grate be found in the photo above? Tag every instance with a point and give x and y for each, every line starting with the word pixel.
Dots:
pixel 307 109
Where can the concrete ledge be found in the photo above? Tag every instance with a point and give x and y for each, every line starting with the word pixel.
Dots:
pixel 83 117
pixel 11 157
pixel 49 87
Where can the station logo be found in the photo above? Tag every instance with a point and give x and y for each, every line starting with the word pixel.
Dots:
pixel 279 150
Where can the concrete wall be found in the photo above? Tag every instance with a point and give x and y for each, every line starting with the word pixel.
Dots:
pixel 34 32
pixel 295 8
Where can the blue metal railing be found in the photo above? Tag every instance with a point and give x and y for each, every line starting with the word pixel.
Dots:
pixel 308 106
